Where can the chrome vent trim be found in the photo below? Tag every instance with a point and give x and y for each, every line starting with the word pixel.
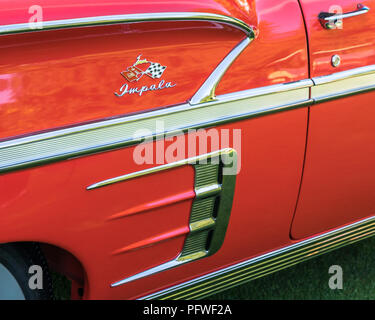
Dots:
pixel 210 212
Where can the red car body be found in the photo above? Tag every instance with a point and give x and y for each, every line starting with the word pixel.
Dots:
pixel 306 152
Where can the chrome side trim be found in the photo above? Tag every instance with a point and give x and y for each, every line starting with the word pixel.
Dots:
pixel 133 175
pixel 100 136
pixel 207 91
pixel 343 84
pixel 268 263
pixel 126 18
pixel 207 230
pixel 63 144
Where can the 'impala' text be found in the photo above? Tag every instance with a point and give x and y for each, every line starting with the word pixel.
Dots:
pixel 154 87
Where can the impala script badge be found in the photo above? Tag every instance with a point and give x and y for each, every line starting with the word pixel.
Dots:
pixel 140 68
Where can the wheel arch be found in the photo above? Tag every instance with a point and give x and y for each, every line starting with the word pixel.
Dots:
pixel 62 261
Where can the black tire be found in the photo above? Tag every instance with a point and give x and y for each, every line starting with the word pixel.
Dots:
pixel 15 261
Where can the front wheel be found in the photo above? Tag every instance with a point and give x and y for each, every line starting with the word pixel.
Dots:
pixel 15 263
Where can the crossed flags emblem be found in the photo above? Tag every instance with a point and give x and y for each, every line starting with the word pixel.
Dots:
pixel 135 72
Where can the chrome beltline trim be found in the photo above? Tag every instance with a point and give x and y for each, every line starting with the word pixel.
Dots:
pixel 105 135
pixel 268 263
pixel 126 18
pixel 343 83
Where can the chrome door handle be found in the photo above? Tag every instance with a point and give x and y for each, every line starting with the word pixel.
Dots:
pixel 332 20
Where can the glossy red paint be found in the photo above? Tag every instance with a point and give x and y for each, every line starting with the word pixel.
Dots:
pixel 37 200
pixel 122 229
pixel 279 53
pixel 354 43
pixel 70 76
pixel 17 11
pixel 339 179
pixel 86 227
pixel 51 79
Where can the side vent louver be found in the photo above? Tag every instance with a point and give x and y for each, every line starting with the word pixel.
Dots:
pixel 215 177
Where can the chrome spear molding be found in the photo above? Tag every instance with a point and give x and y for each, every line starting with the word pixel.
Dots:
pixel 105 135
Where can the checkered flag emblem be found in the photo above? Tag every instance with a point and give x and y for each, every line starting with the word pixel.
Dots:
pixel 155 70
pixel 141 67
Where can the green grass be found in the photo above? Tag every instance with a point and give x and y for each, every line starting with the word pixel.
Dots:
pixel 61 286
pixel 307 280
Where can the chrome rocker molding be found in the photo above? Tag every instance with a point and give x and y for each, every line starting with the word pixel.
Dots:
pixel 126 18
pixel 268 263
pixel 105 135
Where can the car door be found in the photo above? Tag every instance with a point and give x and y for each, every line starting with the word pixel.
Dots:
pixel 338 184
pixel 69 174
